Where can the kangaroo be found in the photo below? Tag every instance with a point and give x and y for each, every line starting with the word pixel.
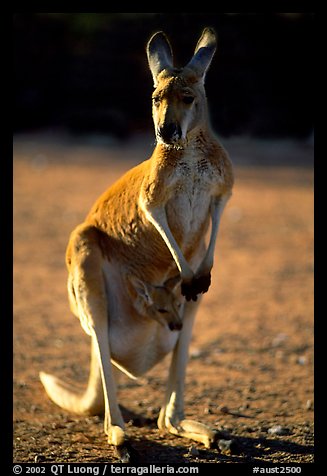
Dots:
pixel 151 224
pixel 158 302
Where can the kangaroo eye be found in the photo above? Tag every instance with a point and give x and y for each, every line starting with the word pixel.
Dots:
pixel 188 99
pixel 162 311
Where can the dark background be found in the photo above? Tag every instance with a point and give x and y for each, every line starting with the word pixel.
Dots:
pixel 88 72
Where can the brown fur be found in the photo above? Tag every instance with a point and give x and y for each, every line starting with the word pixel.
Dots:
pixel 150 225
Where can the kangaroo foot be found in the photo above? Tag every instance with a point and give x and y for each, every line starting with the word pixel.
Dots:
pixel 190 429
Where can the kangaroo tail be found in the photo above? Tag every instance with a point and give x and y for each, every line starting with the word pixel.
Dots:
pixel 90 402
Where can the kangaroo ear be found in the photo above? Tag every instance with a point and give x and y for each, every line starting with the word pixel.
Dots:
pixel 172 283
pixel 159 53
pixel 203 54
pixel 141 288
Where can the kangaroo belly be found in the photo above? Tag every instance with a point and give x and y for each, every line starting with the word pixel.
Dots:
pixel 137 349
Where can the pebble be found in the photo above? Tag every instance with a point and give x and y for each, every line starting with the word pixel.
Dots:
pixel 278 430
pixel 309 405
pixel 56 426
pixel 196 353
pixel 193 451
pixel 279 339
pixel 249 429
pixel 223 409
pixel 302 360
pixel 228 446
pixel 243 407
pixel 280 355
pixel 225 445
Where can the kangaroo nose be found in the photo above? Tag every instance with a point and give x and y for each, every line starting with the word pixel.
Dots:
pixel 170 132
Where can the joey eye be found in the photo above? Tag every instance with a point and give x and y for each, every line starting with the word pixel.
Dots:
pixel 188 99
pixel 162 311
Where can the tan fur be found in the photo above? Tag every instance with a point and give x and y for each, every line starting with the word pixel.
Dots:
pixel 144 230
pixel 161 303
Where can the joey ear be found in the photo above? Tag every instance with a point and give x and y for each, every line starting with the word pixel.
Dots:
pixel 172 283
pixel 141 288
pixel 203 54
pixel 159 54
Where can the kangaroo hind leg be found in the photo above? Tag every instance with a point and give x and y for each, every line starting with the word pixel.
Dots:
pixel 85 265
pixel 171 416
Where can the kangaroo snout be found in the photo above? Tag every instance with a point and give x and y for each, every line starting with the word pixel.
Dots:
pixel 170 132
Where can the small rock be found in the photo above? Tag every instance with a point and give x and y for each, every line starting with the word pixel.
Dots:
pixel 223 409
pixel 79 438
pixel 249 429
pixel 225 445
pixel 193 451
pixel 302 360
pixel 59 343
pixel 154 410
pixel 278 430
pixel 280 355
pixel 55 425
pixel 243 407
pixel 279 339
pixel 196 353
pixel 125 453
pixel 309 405
pixel 228 446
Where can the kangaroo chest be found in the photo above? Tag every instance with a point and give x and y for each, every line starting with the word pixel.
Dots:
pixel 193 183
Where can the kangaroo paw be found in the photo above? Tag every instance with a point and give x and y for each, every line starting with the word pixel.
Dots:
pixel 199 284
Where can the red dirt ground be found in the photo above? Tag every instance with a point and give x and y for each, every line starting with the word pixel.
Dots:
pixel 251 357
